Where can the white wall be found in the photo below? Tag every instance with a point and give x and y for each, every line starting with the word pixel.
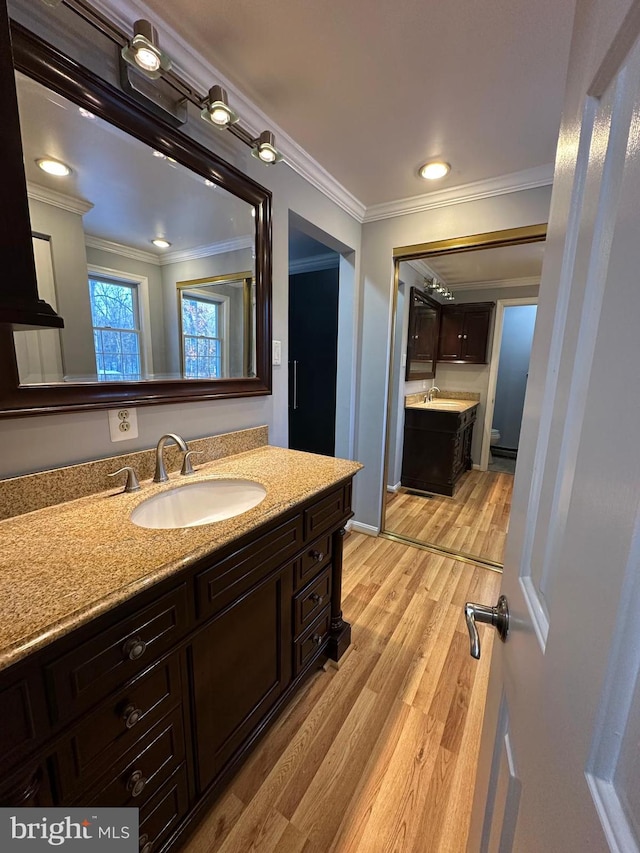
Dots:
pixel 511 210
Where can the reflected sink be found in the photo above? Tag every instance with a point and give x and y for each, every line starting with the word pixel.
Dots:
pixel 198 503
pixel 445 405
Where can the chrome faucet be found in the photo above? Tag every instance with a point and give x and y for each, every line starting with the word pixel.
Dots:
pixel 161 475
pixel 428 397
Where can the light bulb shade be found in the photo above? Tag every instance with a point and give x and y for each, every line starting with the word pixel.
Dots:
pixel 434 170
pixel 143 52
pixel 265 148
pixel 217 109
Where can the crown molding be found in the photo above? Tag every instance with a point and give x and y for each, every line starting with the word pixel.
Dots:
pixel 70 203
pixel 120 249
pixel 234 245
pixel 525 281
pixel 314 263
pixel 201 74
pixel 538 176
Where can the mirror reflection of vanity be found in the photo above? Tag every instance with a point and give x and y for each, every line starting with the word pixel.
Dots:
pixel 184 318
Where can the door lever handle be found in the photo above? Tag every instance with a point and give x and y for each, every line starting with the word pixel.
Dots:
pixel 497 616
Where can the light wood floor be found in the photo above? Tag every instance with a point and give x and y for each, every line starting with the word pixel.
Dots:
pixel 475 520
pixel 380 754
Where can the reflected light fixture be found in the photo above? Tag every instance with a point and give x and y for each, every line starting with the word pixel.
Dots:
pixel 265 148
pixel 54 167
pixel 217 109
pixel 161 243
pixel 433 170
pixel 143 52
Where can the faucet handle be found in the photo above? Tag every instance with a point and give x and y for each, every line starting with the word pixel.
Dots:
pixel 132 484
pixel 187 467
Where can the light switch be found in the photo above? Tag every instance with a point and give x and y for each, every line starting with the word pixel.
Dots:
pixel 276 352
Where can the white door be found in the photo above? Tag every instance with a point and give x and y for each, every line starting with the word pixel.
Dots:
pixel 560 756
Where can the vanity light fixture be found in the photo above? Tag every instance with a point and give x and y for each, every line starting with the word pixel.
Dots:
pixel 265 148
pixel 143 52
pixel 85 113
pixel 217 109
pixel 435 169
pixel 161 243
pixel 54 167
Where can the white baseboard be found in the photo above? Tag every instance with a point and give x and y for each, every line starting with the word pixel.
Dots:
pixel 395 488
pixel 367 529
pixel 477 467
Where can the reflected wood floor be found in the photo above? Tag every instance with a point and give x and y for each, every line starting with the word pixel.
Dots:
pixel 380 753
pixel 475 520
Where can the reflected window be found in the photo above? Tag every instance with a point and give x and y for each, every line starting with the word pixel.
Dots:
pixel 115 314
pixel 202 336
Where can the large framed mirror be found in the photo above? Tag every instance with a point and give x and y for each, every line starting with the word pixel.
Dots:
pixel 465 440
pixel 144 213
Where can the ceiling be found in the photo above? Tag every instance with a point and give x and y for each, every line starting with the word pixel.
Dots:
pixel 371 90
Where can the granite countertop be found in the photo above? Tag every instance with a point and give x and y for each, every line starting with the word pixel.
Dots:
pixel 64 565
pixel 441 404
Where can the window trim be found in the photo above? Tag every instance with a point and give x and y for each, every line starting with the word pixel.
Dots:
pixel 220 299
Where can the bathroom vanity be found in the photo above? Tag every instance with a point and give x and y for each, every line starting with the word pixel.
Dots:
pixel 139 666
pixel 437 444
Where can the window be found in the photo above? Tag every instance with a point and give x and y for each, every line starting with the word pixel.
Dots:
pixel 116 329
pixel 202 339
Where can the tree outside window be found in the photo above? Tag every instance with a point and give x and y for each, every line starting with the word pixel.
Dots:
pixel 116 329
pixel 202 325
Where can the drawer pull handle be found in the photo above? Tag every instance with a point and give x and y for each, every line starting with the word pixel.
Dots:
pixel 134 648
pixel 146 846
pixel 136 783
pixel 317 599
pixel 317 639
pixel 318 556
pixel 131 716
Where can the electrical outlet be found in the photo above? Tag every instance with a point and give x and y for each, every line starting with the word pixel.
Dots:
pixel 276 351
pixel 123 424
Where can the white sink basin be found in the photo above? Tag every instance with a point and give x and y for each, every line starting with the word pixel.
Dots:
pixel 444 405
pixel 198 503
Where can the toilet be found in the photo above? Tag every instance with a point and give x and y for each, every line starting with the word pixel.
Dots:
pixel 495 438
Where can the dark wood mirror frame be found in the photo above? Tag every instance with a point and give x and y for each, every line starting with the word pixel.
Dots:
pixel 39 60
pixel 422 336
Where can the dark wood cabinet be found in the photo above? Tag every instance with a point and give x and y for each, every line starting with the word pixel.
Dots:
pixel 422 338
pixel 464 332
pixel 437 449
pixel 156 703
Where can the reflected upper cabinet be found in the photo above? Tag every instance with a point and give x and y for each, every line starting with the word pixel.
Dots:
pixel 464 332
pixel 422 340
pixel 155 252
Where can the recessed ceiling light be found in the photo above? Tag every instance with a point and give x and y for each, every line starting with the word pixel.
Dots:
pixel 434 170
pixel 161 243
pixel 54 167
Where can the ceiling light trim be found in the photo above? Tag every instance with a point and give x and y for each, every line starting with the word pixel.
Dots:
pixel 197 72
pixel 538 176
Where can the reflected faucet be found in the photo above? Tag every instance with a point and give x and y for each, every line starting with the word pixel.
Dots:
pixel 161 475
pixel 428 397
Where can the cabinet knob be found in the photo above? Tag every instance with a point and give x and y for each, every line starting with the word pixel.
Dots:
pixel 136 783
pixel 146 846
pixel 464 337
pixel 134 648
pixel 459 337
pixel 131 716
pixel 317 599
pixel 317 639
pixel 318 556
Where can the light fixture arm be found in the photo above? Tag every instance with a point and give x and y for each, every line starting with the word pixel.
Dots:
pixel 101 23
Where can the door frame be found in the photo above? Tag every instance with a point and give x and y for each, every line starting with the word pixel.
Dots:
pixel 498 328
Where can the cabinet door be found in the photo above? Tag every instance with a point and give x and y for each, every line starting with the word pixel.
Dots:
pixel 241 663
pixel 450 341
pixel 475 335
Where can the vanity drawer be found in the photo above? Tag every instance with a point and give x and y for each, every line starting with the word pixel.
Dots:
pixel 310 601
pixel 91 671
pixel 230 578
pixel 324 513
pixel 314 558
pixel 307 647
pixel 104 735
pixel 144 769
pixel 162 813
